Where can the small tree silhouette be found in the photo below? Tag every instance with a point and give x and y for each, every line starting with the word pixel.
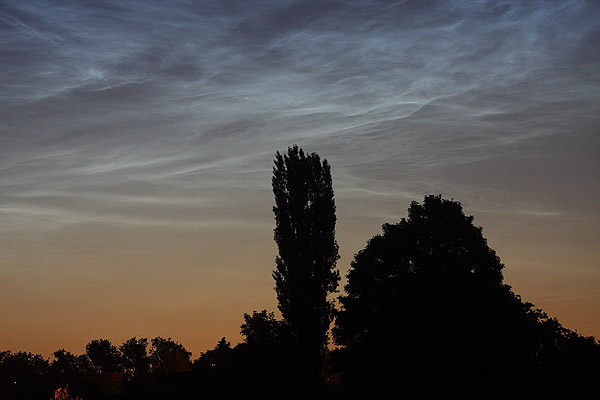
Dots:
pixel 136 360
pixel 67 362
pixel 104 356
pixel 263 329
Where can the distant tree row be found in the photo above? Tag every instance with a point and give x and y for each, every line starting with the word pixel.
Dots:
pixel 133 358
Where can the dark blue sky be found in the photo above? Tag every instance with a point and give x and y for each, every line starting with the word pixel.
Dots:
pixel 137 138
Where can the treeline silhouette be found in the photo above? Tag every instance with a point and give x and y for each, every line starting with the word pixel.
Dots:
pixel 424 314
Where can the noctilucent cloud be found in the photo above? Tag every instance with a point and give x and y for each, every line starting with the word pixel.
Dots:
pixel 137 139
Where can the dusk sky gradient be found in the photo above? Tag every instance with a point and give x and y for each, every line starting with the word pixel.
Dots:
pixel 137 143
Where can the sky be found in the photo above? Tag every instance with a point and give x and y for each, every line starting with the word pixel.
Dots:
pixel 137 143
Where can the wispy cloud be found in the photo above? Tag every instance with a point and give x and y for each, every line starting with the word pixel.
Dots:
pixel 131 91
pixel 152 113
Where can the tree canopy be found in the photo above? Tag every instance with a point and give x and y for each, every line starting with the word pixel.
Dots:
pixel 305 235
pixel 415 271
pixel 104 356
pixel 135 356
pixel 262 329
pixel 428 295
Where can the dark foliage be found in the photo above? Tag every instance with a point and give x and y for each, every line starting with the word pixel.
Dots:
pixel 425 302
pixel 67 363
pixel 135 358
pixel 25 376
pixel 305 236
pixel 270 353
pixel 104 356
pixel 262 329
pixel 162 348
pixel 159 372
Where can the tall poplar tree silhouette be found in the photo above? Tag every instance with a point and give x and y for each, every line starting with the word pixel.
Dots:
pixel 305 236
